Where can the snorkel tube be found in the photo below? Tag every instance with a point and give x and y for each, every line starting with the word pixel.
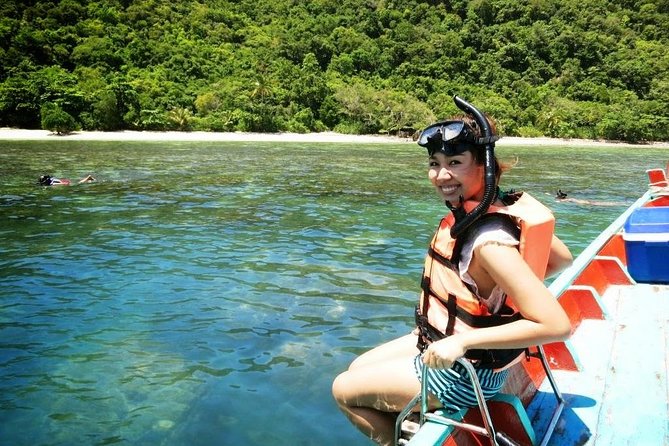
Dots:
pixel 488 138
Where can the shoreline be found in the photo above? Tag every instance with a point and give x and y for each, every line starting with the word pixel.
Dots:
pixel 324 137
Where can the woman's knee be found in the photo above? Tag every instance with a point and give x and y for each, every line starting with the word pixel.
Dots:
pixel 341 388
pixel 352 387
pixel 385 386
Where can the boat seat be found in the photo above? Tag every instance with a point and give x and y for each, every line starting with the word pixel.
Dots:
pixel 583 300
pixel 508 416
pixel 602 272
pixel 659 186
pixel 615 247
pixel 657 178
pixel 661 198
pixel 579 302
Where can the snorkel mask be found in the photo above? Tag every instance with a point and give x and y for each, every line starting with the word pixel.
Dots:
pixel 447 137
pixel 455 137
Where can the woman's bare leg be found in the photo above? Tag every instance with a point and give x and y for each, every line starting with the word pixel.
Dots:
pixel 372 395
pixel 400 347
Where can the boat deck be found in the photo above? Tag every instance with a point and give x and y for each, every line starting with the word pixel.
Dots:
pixel 620 394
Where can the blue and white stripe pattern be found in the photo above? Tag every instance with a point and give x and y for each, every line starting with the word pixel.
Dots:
pixel 453 387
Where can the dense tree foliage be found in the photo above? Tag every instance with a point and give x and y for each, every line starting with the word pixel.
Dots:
pixel 564 68
pixel 57 120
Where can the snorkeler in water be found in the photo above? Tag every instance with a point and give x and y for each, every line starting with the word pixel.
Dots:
pixel 48 180
pixel 562 197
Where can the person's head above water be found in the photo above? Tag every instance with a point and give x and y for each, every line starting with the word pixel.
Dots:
pixel 44 180
pixel 560 195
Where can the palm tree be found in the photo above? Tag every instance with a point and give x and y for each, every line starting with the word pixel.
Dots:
pixel 263 88
pixel 180 117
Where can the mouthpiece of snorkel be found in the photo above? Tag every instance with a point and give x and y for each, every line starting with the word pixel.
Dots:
pixel 453 137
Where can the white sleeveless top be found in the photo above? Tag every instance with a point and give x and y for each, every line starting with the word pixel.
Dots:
pixel 490 231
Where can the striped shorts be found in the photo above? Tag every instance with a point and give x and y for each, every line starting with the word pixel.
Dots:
pixel 453 387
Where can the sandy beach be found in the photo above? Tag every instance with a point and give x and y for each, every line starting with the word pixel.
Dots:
pixel 324 137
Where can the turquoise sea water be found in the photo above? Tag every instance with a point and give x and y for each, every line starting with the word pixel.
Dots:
pixel 208 293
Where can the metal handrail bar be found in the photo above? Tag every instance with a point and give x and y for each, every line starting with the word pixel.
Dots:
pixel 423 393
pixel 403 415
pixel 480 398
pixel 451 422
pixel 488 430
pixel 558 395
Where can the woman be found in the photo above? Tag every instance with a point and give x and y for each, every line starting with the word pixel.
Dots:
pixel 475 268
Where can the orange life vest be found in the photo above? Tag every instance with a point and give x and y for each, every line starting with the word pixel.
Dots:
pixel 447 304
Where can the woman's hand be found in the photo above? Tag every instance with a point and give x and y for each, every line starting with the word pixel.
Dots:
pixel 443 353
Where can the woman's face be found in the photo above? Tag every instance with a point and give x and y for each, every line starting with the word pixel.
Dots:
pixel 455 176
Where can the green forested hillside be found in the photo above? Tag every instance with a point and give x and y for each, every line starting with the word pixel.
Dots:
pixel 564 68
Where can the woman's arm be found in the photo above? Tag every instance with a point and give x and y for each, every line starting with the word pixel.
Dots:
pixel 544 319
pixel 559 258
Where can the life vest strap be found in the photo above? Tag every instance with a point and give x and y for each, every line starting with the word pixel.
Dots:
pixel 505 315
pixel 483 358
pixel 440 258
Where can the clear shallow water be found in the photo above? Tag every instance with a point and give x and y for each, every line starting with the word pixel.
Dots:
pixel 206 293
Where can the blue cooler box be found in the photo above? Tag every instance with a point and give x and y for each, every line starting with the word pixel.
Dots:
pixel 646 239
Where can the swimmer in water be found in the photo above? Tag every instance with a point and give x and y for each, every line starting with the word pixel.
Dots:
pixel 48 180
pixel 562 196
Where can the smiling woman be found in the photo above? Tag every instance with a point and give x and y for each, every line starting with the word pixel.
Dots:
pixel 483 296
pixel 455 176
